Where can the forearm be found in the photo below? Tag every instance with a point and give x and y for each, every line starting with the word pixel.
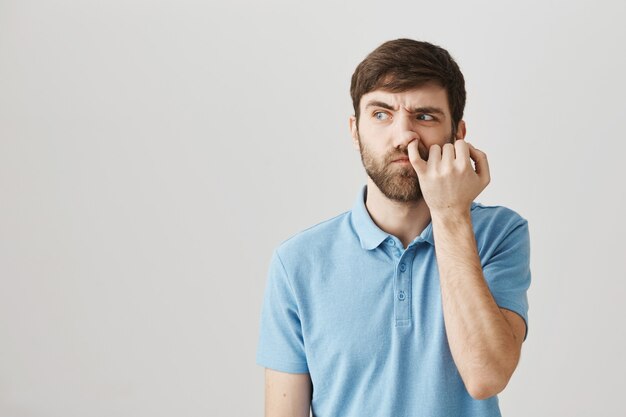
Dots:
pixel 480 338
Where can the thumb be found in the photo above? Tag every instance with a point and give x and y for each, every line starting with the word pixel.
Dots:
pixel 482 164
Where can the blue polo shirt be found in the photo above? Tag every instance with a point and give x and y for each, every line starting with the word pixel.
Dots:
pixel 346 303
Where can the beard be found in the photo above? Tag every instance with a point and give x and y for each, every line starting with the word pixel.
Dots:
pixel 397 182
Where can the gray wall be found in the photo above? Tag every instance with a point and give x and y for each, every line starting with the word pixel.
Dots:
pixel 153 153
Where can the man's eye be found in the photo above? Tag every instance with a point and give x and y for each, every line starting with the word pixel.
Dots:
pixel 426 117
pixel 380 115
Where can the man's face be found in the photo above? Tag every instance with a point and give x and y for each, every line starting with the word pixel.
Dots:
pixel 388 122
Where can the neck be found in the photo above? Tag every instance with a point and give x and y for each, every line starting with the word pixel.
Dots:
pixel 404 220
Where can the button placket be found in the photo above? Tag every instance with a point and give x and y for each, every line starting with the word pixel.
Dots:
pixel 403 290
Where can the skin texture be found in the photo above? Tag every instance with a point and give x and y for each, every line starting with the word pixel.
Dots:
pixel 437 183
pixel 287 395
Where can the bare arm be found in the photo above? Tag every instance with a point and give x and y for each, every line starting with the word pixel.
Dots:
pixel 485 341
pixel 287 395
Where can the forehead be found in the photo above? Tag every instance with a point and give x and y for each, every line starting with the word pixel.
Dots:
pixel 429 95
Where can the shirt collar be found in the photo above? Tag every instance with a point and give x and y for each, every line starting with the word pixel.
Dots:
pixel 370 235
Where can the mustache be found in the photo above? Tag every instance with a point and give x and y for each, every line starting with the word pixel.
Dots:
pixel 404 153
pixel 423 151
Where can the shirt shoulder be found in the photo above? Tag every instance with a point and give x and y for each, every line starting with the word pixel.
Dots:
pixel 318 239
pixel 494 224
pixel 495 218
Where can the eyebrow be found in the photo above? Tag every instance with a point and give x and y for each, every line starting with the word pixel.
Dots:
pixel 424 109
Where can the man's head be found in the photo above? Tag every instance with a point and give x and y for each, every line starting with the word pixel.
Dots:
pixel 404 64
pixel 404 90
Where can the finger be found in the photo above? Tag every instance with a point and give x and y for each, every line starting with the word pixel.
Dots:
pixel 416 159
pixel 448 153
pixel 463 160
pixel 461 149
pixel 423 150
pixel 434 155
pixel 482 165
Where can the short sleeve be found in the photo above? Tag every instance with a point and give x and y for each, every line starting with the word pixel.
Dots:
pixel 280 345
pixel 507 271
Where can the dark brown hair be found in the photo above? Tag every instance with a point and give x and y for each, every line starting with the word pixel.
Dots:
pixel 404 64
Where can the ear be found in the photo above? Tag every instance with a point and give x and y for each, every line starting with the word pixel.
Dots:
pixel 354 132
pixel 461 130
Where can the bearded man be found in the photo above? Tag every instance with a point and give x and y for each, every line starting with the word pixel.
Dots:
pixel 413 303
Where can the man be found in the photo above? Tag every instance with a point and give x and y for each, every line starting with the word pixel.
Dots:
pixel 414 302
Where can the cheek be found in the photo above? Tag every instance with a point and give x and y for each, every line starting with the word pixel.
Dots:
pixel 432 137
pixel 374 149
pixel 423 151
pixel 375 137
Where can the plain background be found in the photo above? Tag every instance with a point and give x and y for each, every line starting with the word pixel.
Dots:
pixel 154 153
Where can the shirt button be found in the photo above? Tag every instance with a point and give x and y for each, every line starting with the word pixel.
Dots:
pixel 402 267
pixel 391 242
pixel 401 296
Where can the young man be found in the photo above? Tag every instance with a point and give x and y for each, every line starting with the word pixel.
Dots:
pixel 413 303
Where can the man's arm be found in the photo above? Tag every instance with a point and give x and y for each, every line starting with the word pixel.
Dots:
pixel 286 394
pixel 485 341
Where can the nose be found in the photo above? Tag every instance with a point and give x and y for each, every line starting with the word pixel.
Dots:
pixel 404 131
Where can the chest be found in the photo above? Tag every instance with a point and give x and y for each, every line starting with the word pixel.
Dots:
pixel 359 309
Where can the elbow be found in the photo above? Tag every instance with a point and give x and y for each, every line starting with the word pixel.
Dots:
pixel 487 386
pixel 487 382
pixel 483 391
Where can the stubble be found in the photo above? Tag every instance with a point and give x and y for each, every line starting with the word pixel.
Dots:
pixel 397 182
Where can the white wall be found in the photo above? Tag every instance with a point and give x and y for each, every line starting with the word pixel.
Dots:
pixel 153 153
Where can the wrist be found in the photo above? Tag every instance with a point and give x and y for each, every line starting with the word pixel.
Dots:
pixel 450 215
